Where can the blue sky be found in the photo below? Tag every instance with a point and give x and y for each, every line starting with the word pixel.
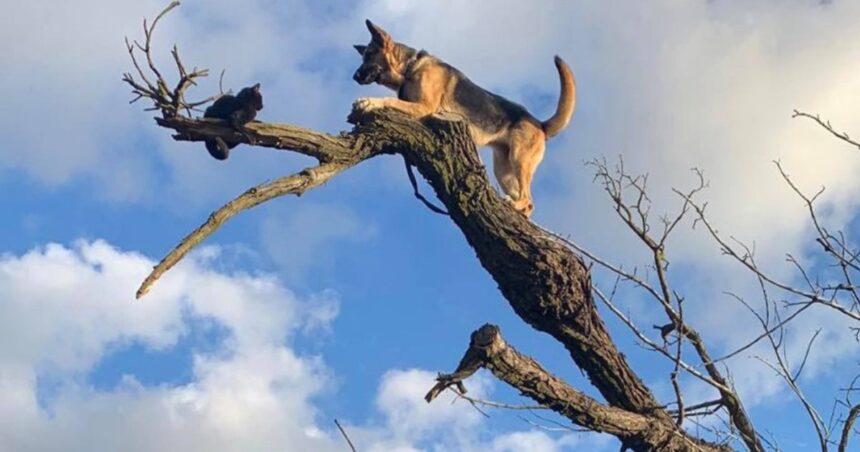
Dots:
pixel 345 302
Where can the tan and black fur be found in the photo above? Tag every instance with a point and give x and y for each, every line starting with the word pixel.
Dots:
pixel 426 85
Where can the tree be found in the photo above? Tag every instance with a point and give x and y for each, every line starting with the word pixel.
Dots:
pixel 545 278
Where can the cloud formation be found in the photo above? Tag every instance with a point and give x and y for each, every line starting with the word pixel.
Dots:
pixel 67 118
pixel 306 238
pixel 67 308
pixel 670 86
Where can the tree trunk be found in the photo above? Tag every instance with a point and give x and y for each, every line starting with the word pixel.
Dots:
pixel 547 284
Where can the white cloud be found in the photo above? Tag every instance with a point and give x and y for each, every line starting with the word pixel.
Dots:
pixel 63 114
pixel 308 235
pixel 532 441
pixel 410 424
pixel 65 308
pixel 408 415
pixel 67 116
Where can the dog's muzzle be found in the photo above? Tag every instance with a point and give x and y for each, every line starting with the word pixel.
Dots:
pixel 365 76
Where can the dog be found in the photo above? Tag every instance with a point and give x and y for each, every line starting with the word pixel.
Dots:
pixel 425 85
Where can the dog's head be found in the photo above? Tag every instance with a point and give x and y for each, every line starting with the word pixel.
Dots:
pixel 382 59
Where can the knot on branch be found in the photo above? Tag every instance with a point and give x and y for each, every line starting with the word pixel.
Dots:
pixel 485 341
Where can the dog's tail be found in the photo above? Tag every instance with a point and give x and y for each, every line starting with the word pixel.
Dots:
pixel 566 103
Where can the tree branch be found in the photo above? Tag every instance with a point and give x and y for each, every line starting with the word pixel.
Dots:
pixel 826 125
pixel 321 146
pixel 345 436
pixel 411 174
pixel 848 427
pixel 295 184
pixel 487 349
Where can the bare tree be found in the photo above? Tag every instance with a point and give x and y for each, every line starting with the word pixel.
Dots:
pixel 546 278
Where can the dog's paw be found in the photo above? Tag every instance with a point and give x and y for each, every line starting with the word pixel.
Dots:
pixel 524 206
pixel 528 210
pixel 366 104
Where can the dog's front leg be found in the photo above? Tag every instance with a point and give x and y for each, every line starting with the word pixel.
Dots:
pixel 414 109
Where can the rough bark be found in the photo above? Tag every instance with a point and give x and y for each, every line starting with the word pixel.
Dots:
pixel 546 284
pixel 487 349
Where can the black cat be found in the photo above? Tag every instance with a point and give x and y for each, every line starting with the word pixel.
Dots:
pixel 237 111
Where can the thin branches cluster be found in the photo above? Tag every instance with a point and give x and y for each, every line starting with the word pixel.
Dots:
pixel 833 288
pixel 170 101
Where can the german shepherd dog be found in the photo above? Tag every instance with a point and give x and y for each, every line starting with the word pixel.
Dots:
pixel 425 85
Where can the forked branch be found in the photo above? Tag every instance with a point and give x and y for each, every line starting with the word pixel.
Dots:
pixel 169 101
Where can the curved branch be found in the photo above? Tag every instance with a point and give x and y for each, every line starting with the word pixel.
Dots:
pixel 826 125
pixel 848 427
pixel 295 184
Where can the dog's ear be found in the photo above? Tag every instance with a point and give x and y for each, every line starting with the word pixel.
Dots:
pixel 360 49
pixel 256 88
pixel 380 36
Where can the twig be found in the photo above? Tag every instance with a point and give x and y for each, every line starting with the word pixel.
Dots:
pixel 493 404
pixel 170 102
pixel 662 350
pixel 745 261
pixel 549 429
pixel 418 194
pixel 767 331
pixel 674 375
pixel 826 124
pixel 826 240
pixel 698 406
pixel 345 436
pixel 634 214
pixel 782 369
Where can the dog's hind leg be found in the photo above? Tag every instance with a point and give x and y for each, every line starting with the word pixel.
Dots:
pixel 527 150
pixel 504 171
